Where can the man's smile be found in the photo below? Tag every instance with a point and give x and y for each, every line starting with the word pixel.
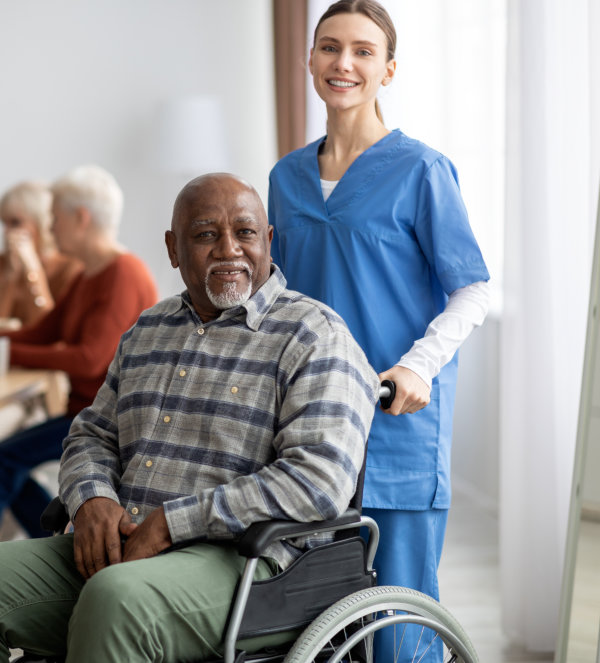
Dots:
pixel 230 271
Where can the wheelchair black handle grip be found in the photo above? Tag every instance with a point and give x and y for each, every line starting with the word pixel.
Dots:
pixel 387 393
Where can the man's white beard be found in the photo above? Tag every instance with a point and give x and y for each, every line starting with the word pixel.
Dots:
pixel 230 296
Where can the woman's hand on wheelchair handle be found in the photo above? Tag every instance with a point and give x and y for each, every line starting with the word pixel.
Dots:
pixel 412 393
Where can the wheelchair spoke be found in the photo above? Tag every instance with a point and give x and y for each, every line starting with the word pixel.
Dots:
pixel 397 649
pixel 423 631
pixel 428 646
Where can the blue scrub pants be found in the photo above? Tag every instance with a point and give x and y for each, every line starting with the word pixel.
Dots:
pixel 408 555
pixel 21 453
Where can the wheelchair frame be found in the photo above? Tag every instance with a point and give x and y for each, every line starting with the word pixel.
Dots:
pixel 350 596
pixel 342 610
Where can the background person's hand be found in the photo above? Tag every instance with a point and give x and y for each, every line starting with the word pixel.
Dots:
pixel 97 541
pixel 412 393
pixel 23 256
pixel 148 538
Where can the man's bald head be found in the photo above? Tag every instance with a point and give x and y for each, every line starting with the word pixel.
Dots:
pixel 207 185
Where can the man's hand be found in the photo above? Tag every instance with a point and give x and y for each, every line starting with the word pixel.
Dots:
pixel 149 538
pixel 412 394
pixel 99 523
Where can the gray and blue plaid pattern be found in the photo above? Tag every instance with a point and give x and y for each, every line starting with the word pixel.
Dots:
pixel 262 413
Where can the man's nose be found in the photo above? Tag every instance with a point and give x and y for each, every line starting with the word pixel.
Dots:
pixel 227 246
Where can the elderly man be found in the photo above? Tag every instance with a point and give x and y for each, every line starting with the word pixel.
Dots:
pixel 81 333
pixel 238 401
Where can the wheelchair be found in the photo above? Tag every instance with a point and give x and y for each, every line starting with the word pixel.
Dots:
pixel 329 596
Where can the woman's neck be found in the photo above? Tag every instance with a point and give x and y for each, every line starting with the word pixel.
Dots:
pixel 348 136
pixel 99 254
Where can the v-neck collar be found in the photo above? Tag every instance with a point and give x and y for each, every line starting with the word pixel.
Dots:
pixel 357 178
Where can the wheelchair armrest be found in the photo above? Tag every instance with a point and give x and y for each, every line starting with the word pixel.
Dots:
pixel 54 517
pixel 255 540
pixel 259 536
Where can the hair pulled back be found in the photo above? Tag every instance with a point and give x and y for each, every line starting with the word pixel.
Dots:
pixel 369 8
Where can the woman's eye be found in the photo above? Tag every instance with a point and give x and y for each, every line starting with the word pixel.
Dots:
pixel 363 51
pixel 329 49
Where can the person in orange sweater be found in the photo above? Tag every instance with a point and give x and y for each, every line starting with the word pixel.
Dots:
pixel 81 333
pixel 33 273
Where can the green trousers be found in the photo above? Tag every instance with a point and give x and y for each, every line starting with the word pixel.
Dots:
pixel 169 608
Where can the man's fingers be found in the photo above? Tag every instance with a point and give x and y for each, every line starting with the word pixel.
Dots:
pixel 79 563
pixel 113 551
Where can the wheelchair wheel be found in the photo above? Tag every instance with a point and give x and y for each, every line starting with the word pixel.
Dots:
pixel 344 632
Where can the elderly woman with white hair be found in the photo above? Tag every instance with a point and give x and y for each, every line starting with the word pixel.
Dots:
pixel 81 333
pixel 33 273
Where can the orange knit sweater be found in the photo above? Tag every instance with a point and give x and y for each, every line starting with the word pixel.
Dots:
pixel 80 335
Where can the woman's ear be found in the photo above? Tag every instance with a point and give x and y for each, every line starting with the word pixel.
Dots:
pixel 83 216
pixel 310 67
pixel 390 70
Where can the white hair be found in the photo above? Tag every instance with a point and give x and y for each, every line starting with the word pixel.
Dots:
pixel 33 199
pixel 96 190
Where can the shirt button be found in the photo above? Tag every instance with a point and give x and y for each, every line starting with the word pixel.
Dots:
pixel 135 511
pixel 234 390
pixel 182 373
pixel 148 463
pixel 201 331
pixel 166 419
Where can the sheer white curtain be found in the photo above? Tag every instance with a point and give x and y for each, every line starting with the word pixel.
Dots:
pixel 551 193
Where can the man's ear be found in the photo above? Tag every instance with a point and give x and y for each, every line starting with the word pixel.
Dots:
pixel 171 248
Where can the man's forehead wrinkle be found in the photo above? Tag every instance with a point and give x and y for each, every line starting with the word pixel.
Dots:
pixel 242 217
pixel 202 221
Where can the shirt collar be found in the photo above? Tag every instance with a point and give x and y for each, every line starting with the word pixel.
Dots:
pixel 256 308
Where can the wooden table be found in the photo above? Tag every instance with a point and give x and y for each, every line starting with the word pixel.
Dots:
pixel 30 386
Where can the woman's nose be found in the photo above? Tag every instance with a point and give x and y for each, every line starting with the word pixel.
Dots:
pixel 344 61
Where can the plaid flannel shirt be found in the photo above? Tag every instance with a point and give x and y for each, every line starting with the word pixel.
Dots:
pixel 262 413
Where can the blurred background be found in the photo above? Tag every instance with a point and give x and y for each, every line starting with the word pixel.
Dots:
pixel 158 92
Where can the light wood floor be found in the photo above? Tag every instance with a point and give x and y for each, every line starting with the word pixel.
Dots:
pixel 470 581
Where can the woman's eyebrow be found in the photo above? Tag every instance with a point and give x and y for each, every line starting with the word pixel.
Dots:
pixel 356 42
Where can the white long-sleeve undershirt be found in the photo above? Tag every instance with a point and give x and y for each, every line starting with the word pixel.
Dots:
pixel 466 309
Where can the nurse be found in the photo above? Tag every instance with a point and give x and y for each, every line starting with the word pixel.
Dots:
pixel 372 223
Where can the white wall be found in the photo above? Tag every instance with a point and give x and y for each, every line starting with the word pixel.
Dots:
pixel 82 82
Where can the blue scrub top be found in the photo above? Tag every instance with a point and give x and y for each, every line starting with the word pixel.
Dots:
pixel 387 248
